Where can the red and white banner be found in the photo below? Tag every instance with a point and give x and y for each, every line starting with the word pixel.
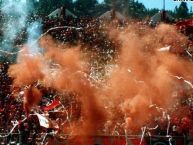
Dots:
pixel 44 122
pixel 51 106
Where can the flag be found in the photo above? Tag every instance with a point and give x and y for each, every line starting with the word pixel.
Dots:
pixel 44 122
pixel 51 106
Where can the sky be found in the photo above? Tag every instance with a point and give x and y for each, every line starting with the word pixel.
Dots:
pixel 170 4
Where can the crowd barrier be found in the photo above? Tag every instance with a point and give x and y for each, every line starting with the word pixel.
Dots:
pixel 14 139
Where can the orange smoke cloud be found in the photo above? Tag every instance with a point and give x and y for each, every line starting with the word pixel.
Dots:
pixel 27 71
pixel 62 69
pixel 32 97
pixel 141 77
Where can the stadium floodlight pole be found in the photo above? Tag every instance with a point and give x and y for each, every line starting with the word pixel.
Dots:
pixel 164 11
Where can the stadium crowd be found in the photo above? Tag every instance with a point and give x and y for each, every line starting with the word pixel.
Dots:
pixel 89 34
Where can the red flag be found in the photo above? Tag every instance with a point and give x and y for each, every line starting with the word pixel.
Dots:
pixel 51 106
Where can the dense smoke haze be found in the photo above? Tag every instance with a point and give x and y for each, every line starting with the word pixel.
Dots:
pixel 141 77
pixel 15 19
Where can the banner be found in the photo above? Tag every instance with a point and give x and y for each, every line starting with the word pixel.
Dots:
pixel 51 106
pixel 44 122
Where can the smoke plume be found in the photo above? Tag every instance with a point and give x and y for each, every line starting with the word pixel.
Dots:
pixel 15 15
pixel 142 76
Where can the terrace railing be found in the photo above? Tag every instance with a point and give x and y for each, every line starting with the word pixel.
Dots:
pixel 41 139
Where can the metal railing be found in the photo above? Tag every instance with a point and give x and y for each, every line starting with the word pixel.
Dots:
pixel 41 139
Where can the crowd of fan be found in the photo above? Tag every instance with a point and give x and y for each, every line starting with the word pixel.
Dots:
pixel 90 35
pixel 11 109
pixel 12 112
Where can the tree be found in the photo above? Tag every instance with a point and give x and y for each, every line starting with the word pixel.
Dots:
pixel 44 7
pixel 47 6
pixel 182 10
pixel 100 9
pixel 176 9
pixel 120 5
pixel 136 10
pixel 59 3
pixel 130 8
pixel 85 7
pixel 151 12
